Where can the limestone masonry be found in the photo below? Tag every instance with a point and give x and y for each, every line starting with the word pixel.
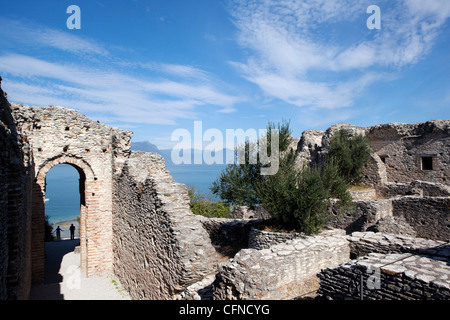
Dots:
pixel 136 222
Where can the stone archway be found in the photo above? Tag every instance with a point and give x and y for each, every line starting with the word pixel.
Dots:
pixel 94 245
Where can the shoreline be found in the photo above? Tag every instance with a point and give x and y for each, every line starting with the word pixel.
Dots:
pixel 64 225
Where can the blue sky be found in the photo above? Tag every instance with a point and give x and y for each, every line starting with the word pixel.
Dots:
pixel 156 66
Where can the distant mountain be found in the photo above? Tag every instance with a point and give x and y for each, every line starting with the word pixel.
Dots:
pixel 150 147
pixel 144 146
pixel 167 154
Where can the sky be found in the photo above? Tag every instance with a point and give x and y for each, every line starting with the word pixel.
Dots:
pixel 156 66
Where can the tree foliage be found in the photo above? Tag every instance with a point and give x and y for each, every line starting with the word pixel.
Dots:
pixel 349 154
pixel 297 198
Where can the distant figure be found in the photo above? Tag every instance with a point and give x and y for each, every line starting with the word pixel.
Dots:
pixel 58 233
pixel 72 231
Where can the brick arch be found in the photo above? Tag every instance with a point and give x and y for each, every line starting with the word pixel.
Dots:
pixel 81 165
pixel 89 204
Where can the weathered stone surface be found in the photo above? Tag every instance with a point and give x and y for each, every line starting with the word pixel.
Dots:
pixel 364 214
pixel 228 236
pixel 284 271
pixel 428 216
pixel 388 277
pixel 363 243
pixel 16 173
pixel 160 246
pixel 260 239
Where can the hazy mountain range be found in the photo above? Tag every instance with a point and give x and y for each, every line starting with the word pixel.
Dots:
pixel 166 153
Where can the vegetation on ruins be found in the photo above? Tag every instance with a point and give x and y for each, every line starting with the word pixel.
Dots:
pixel 203 204
pixel 48 236
pixel 349 154
pixel 297 198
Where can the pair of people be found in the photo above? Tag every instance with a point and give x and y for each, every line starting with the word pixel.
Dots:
pixel 72 232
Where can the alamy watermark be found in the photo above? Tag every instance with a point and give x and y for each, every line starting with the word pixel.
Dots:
pixel 235 139
pixel 374 21
pixel 74 20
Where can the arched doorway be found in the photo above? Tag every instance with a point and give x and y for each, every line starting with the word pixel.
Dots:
pixel 63 186
pixel 86 177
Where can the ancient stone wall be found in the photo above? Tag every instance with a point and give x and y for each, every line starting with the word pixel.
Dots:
pixel 388 277
pixel 228 236
pixel 160 246
pixel 391 267
pixel 59 135
pixel 413 151
pixel 260 239
pixel 16 172
pixel 284 271
pixel 428 216
pixel 363 243
pixel 401 152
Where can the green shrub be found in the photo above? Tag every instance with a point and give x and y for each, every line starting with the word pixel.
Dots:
pixel 48 236
pixel 238 183
pixel 204 205
pixel 349 154
pixel 297 198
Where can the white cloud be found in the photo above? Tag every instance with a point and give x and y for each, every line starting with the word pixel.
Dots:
pixel 31 34
pixel 289 43
pixel 124 97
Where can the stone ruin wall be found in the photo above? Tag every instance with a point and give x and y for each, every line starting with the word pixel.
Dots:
pixel 16 172
pixel 135 220
pixel 397 148
pixel 160 247
pixel 59 135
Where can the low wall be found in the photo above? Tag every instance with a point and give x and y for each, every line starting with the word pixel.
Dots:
pixel 365 214
pixel 388 277
pixel 285 271
pixel 363 243
pixel 416 188
pixel 260 239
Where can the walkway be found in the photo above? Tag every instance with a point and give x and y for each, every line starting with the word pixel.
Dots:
pixel 64 281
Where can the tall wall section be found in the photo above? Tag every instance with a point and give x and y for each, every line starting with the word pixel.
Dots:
pixel 59 135
pixel 16 173
pixel 160 246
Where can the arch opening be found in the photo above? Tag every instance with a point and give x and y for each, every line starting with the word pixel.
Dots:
pixel 69 209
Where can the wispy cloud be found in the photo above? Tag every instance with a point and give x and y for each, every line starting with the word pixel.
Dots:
pixel 289 45
pixel 32 34
pixel 119 91
pixel 124 97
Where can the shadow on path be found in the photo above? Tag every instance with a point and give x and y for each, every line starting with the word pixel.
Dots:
pixel 54 253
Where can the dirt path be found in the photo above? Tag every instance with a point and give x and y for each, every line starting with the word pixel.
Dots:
pixel 64 280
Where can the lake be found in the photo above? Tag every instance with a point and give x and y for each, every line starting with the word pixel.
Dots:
pixel 63 186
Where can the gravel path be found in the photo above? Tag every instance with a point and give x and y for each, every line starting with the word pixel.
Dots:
pixel 64 281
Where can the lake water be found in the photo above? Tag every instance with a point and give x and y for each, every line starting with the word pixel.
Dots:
pixel 63 187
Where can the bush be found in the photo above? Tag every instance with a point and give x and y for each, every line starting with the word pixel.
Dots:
pixel 349 154
pixel 297 198
pixel 48 236
pixel 238 183
pixel 204 205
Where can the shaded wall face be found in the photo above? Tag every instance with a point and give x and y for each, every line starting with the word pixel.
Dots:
pixel 15 208
pixel 160 247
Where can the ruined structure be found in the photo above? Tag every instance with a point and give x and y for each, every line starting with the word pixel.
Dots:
pixel 136 221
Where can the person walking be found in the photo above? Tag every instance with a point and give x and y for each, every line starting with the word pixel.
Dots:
pixel 72 231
